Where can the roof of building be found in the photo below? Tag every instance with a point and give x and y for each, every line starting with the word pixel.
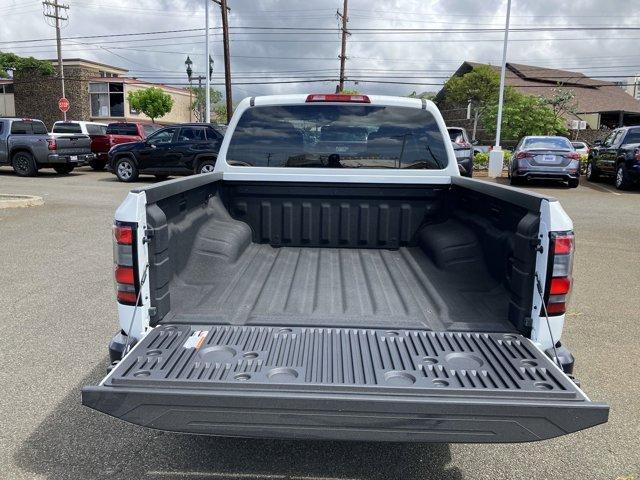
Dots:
pixel 591 95
pixel 89 63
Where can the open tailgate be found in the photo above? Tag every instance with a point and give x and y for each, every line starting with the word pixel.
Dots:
pixel 352 384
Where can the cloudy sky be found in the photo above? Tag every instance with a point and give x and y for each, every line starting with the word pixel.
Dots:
pixel 293 48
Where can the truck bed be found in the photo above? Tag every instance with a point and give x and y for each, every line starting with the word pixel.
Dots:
pixel 343 287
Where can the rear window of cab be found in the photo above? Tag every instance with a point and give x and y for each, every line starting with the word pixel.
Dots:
pixel 337 136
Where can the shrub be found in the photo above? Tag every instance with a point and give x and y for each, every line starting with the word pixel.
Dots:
pixel 481 160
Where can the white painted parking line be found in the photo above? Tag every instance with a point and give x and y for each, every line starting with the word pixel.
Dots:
pixel 601 187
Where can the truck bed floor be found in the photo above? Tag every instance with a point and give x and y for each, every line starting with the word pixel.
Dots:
pixel 336 287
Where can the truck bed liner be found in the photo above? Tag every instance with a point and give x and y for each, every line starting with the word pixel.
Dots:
pixel 343 287
pixel 365 384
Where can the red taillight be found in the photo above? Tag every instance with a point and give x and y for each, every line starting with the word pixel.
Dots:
pixel 524 155
pixel 574 156
pixel 127 288
pixel 556 307
pixel 637 155
pixel 563 244
pixel 123 234
pixel 52 144
pixel 562 248
pixel 125 275
pixel 127 297
pixel 337 97
pixel 560 286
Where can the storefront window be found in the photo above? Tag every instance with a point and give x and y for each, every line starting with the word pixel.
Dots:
pixel 107 99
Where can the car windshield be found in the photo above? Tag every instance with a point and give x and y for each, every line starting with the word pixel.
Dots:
pixel 67 127
pixel 633 136
pixel 122 129
pixel 547 143
pixel 337 136
pixel 578 145
pixel 456 135
pixel 95 129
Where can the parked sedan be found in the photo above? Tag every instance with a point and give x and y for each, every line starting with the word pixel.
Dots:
pixel 463 148
pixel 175 150
pixel 545 157
pixel 581 147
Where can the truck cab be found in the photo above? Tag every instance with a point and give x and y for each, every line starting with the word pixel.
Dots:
pixel 350 286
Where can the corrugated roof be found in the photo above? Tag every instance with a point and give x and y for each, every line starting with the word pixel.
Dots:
pixel 591 96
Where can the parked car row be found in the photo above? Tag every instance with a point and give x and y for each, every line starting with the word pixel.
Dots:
pixel 128 149
pixel 557 158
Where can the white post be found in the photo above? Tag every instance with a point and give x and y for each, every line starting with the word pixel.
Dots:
pixel 206 64
pixel 496 157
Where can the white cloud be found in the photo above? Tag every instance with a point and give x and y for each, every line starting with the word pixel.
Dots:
pixel 426 55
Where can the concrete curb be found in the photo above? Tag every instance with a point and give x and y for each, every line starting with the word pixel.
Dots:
pixel 19 201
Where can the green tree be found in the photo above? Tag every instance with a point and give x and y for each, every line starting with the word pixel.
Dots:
pixel 562 101
pixel 153 102
pixel 11 62
pixel 480 86
pixel 524 115
pixel 198 99
pixel 423 95
pixel 350 91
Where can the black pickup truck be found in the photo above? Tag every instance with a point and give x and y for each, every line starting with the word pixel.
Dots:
pixel 176 150
pixel 617 157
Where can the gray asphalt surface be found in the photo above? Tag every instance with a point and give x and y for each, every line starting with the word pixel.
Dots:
pixel 58 312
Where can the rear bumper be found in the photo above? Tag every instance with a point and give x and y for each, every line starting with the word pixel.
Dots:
pixel 317 416
pixel 79 160
pixel 563 175
pixel 343 384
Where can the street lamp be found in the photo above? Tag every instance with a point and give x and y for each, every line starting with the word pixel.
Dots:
pixel 188 63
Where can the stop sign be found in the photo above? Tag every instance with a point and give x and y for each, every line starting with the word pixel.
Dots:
pixel 63 105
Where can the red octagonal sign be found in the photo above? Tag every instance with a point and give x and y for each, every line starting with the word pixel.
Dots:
pixel 63 104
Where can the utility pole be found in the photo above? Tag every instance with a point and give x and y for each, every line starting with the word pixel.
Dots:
pixel 496 157
pixel 227 58
pixel 502 73
pixel 207 55
pixel 57 11
pixel 343 51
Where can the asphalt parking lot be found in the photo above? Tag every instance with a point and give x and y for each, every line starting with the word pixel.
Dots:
pixel 58 312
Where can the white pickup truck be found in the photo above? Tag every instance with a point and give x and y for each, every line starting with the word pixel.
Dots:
pixel 336 278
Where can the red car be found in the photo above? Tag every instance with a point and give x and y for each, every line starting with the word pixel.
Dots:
pixel 117 133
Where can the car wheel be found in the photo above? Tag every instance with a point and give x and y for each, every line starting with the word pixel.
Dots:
pixel 592 173
pixel 63 169
pixel 126 170
pixel 622 180
pixel 513 180
pixel 161 177
pixel 97 165
pixel 207 166
pixel 574 182
pixel 24 164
